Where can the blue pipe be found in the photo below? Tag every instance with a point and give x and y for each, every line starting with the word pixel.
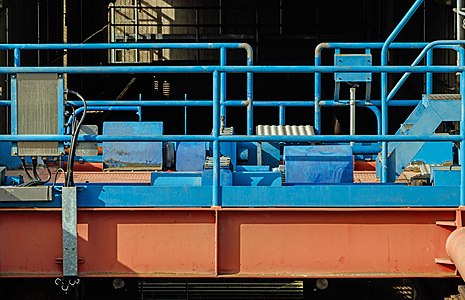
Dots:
pixel 419 58
pixel 317 111
pixel 216 144
pixel 250 100
pixel 98 108
pixel 377 113
pixel 429 75
pixel 338 46
pixel 105 46
pixel 282 114
pixel 462 143
pixel 233 138
pixel 384 85
pixel 230 69
pixel 223 61
pixel 236 103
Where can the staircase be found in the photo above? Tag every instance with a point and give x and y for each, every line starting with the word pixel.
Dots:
pixel 424 120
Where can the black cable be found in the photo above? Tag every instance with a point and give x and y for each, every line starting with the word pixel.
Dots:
pixel 23 164
pixel 69 178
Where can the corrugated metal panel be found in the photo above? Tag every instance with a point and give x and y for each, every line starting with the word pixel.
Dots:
pixel 293 130
pixel 37 112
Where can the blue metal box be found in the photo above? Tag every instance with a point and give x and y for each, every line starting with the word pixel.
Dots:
pixel 319 164
pixel 190 156
pixel 131 155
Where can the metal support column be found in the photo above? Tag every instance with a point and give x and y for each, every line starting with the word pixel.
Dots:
pixel 69 228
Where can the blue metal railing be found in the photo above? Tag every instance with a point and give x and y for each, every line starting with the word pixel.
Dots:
pixel 219 101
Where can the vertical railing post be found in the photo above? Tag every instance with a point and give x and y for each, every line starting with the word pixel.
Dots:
pixel 317 119
pixel 429 75
pixel 249 91
pixel 223 62
pixel 17 57
pixel 282 115
pixel 462 143
pixel 216 143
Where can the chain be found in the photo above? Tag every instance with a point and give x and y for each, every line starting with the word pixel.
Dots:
pixel 66 283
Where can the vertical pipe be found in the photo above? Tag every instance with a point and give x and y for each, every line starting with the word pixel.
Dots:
pixel 136 27
pixel 429 75
pixel 216 143
pixel 384 85
pixel 352 110
pixel 38 31
pixel 317 119
pixel 17 57
pixel 459 21
pixel 112 31
pixel 282 115
pixel 223 62
pixel 185 115
pixel 249 91
pixel 139 109
pixel 462 143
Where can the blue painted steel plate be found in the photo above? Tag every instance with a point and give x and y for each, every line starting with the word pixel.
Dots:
pixel 190 156
pixel 319 164
pixel 133 155
pixel 352 60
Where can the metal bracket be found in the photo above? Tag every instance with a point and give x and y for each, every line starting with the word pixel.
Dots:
pixel 69 228
pixel 32 193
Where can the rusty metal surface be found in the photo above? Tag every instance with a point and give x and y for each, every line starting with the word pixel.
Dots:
pixel 216 242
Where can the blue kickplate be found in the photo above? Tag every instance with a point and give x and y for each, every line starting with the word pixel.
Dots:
pixel 190 156
pixel 319 164
pixel 133 155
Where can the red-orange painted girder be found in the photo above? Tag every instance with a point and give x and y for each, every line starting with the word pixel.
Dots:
pixel 231 242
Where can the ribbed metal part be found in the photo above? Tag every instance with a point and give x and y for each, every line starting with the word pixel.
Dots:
pixel 37 112
pixel 444 97
pixel 293 130
pixel 221 290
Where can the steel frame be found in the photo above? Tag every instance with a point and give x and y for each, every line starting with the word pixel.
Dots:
pixel 233 242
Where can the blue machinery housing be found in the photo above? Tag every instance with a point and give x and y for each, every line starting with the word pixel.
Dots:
pixel 383 194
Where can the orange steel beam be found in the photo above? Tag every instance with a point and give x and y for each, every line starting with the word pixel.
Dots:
pixel 216 242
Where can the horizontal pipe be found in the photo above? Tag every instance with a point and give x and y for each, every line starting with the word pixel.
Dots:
pixel 231 69
pixel 99 108
pixel 105 46
pixel 260 103
pixel 236 138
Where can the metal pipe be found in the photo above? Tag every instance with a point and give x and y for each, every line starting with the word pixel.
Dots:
pixel 459 20
pixel 216 143
pixel 419 58
pixel 99 108
pixel 230 69
pixel 235 103
pixel 233 138
pixel 352 110
pixel 223 61
pixel 429 75
pixel 282 115
pixel 462 143
pixel 455 248
pixel 384 85
pixel 106 46
pixel 317 111
pixel 250 101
